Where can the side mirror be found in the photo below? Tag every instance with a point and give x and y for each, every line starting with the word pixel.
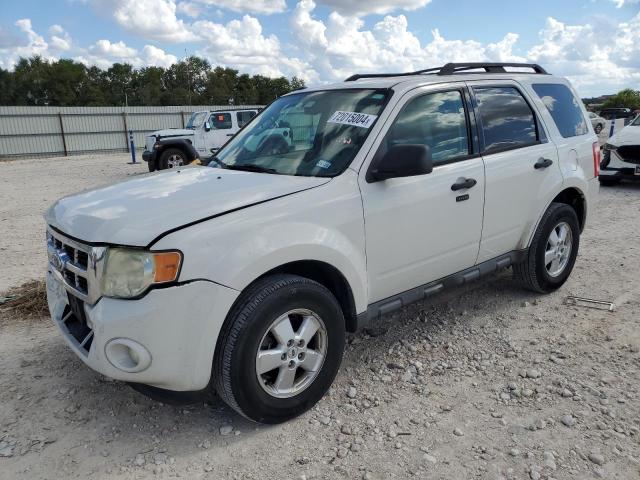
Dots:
pixel 207 126
pixel 402 161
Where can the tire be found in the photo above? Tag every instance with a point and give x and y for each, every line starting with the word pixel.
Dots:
pixel 172 158
pixel 608 182
pixel 534 273
pixel 598 129
pixel 152 165
pixel 249 327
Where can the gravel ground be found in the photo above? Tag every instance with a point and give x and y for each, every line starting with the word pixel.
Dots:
pixel 485 381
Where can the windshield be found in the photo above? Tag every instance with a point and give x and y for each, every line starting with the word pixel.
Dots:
pixel 196 120
pixel 309 134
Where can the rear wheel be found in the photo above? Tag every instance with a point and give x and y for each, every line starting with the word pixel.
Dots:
pixel 172 158
pixel 280 348
pixel 552 252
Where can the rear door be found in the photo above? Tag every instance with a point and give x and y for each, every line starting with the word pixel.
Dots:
pixel 521 165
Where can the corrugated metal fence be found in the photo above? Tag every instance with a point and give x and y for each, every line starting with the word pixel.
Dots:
pixel 38 131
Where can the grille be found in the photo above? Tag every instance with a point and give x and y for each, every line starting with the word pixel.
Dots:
pixel 629 153
pixel 70 260
pixel 74 321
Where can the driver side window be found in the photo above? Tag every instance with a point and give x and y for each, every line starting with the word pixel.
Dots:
pixel 437 120
pixel 220 121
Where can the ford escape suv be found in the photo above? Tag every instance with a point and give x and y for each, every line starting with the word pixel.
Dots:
pixel 391 188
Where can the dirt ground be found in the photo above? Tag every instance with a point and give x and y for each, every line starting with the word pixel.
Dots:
pixel 486 381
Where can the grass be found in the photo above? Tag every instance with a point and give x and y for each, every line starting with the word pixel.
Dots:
pixel 27 300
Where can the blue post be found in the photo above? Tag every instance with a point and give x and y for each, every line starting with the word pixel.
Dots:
pixel 132 148
pixel 613 123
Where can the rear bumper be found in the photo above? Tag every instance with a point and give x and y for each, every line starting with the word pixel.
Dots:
pixel 173 331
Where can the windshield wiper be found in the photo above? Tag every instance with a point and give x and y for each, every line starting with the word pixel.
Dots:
pixel 251 167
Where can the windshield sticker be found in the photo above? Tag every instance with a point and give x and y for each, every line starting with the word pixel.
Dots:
pixel 323 164
pixel 354 119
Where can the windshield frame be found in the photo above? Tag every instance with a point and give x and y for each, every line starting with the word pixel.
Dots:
pixel 636 121
pixel 389 93
pixel 191 126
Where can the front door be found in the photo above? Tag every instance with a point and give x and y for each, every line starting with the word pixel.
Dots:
pixel 222 128
pixel 422 228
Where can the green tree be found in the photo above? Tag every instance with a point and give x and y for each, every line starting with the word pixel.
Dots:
pixel 625 98
pixel 35 81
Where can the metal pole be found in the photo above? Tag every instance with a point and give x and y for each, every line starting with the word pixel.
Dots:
pixel 64 140
pixel 182 118
pixel 126 136
pixel 613 125
pixel 132 148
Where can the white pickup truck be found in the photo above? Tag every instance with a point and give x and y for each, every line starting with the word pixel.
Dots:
pixel 393 188
pixel 203 135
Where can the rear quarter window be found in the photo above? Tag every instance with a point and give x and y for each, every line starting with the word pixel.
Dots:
pixel 564 108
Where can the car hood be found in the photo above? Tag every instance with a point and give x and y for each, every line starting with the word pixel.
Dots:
pixel 136 211
pixel 629 135
pixel 172 132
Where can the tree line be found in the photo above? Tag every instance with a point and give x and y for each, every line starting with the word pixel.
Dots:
pixel 193 81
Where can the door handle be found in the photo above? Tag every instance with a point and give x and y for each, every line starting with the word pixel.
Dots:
pixel 542 163
pixel 463 183
pixel 230 134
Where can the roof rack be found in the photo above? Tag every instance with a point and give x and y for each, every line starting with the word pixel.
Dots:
pixel 453 68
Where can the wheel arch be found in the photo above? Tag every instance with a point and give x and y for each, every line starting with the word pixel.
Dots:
pixel 326 275
pixel 570 195
pixel 181 144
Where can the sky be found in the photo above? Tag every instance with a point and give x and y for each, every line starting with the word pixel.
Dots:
pixel 596 44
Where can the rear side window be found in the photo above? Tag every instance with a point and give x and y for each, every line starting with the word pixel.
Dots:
pixel 244 117
pixel 221 121
pixel 507 120
pixel 564 108
pixel 437 120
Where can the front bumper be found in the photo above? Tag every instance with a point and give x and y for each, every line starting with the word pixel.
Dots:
pixel 616 167
pixel 177 326
pixel 149 156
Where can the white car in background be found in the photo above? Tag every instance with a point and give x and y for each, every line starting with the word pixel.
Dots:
pixel 203 135
pixel 621 155
pixel 597 122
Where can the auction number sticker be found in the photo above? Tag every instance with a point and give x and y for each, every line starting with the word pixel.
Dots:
pixel 354 119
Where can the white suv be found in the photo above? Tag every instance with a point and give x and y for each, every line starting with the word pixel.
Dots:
pixel 203 135
pixel 394 188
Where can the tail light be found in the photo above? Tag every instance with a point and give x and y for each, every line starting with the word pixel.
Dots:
pixel 596 159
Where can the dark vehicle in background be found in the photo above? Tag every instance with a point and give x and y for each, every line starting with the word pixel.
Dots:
pixel 616 112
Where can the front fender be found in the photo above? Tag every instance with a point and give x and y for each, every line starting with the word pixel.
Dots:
pixel 323 224
pixel 183 144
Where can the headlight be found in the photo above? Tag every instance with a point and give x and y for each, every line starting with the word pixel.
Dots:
pixel 128 273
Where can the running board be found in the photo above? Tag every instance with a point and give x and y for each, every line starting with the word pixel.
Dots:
pixel 417 294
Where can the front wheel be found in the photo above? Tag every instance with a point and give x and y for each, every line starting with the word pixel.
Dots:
pixel 172 158
pixel 280 348
pixel 553 250
pixel 608 182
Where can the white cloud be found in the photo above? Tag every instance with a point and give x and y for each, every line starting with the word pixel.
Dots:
pixel 576 51
pixel 60 39
pixel 622 3
pixel 266 7
pixel 366 7
pixel 190 9
pixel 24 42
pixel 241 44
pixel 150 19
pixel 154 56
